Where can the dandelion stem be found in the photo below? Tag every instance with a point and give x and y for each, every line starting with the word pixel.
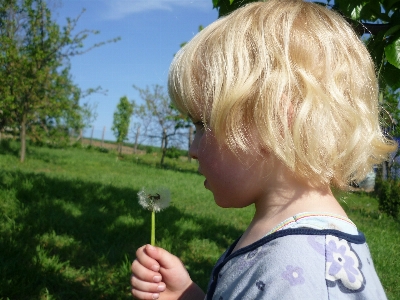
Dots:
pixel 153 228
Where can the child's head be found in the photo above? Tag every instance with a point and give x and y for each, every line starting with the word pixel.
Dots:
pixel 289 77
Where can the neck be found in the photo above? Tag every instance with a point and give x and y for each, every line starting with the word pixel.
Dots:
pixel 283 203
pixel 285 197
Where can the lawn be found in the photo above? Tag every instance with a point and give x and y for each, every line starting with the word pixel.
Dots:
pixel 70 223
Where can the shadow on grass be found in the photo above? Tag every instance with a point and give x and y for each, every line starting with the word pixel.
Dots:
pixel 75 240
pixel 8 146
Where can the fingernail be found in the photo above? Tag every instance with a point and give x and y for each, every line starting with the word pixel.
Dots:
pixel 161 288
pixel 150 247
pixel 155 296
pixel 155 268
pixel 157 278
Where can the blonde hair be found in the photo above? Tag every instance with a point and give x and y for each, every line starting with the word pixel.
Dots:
pixel 294 77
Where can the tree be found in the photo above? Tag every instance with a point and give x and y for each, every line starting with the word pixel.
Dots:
pixel 122 118
pixel 378 18
pixel 390 117
pixel 37 92
pixel 160 118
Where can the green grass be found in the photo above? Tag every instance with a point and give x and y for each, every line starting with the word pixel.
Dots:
pixel 70 223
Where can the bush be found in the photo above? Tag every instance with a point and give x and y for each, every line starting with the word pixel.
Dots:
pixel 149 149
pixel 173 152
pixel 388 194
pixel 102 149
pixel 77 144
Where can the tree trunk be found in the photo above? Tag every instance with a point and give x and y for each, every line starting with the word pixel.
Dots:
pixel 383 172
pixel 162 140
pixel 80 136
pixel 120 148
pixel 388 171
pixel 91 136
pixel 23 138
pixel 190 142
pixel 136 139
pixel 164 148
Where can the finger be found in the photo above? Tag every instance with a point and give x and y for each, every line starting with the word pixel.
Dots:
pixel 147 261
pixel 146 287
pixel 143 295
pixel 163 257
pixel 144 273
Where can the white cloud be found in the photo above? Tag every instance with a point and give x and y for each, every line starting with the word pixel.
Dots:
pixel 119 9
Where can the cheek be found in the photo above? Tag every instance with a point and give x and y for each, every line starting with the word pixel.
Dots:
pixel 210 155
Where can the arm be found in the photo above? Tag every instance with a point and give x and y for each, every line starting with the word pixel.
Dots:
pixel 157 274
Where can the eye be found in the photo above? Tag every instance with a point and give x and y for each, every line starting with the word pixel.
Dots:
pixel 199 125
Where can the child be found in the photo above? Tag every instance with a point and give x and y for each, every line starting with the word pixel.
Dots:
pixel 283 95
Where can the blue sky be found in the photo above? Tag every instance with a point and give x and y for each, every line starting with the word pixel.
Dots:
pixel 151 32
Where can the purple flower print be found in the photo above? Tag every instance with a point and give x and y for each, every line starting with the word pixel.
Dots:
pixel 252 254
pixel 342 264
pixel 249 259
pixel 260 285
pixel 294 275
pixel 338 259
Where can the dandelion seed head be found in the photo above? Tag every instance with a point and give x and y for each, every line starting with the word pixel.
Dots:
pixel 154 199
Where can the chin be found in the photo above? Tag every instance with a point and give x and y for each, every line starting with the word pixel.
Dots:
pixel 222 203
pixel 226 203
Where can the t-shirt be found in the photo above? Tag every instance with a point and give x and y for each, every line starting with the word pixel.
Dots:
pixel 308 256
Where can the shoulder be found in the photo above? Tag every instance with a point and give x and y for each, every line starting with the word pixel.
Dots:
pixel 317 264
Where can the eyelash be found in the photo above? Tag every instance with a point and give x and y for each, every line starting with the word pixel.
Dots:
pixel 199 124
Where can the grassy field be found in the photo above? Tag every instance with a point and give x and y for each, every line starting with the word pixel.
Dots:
pixel 70 223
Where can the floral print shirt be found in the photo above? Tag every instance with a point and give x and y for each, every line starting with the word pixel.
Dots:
pixel 308 256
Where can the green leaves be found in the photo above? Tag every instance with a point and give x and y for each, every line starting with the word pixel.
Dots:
pixel 371 11
pixel 217 3
pixel 34 72
pixel 356 13
pixel 122 117
pixel 392 53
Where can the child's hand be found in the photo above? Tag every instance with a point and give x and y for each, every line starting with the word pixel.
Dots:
pixel 156 273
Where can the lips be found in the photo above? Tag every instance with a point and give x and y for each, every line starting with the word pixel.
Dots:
pixel 205 181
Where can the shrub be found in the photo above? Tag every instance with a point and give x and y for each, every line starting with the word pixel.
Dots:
pixel 388 194
pixel 102 149
pixel 149 149
pixel 173 152
pixel 77 144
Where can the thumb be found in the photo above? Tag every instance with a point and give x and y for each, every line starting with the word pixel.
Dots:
pixel 163 257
